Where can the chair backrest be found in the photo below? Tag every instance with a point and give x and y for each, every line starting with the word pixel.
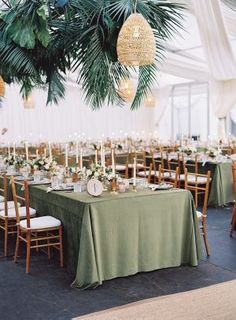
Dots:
pixel 234 177
pixel 121 158
pixel 16 188
pixel 190 165
pixel 159 161
pixel 195 186
pixel 169 176
pixel 173 163
pixel 4 192
pixel 140 158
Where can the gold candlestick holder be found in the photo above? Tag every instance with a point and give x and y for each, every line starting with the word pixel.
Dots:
pixel 114 186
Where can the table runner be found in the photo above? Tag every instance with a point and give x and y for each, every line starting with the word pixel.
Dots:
pixel 120 235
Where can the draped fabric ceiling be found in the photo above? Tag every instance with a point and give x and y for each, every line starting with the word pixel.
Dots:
pixel 211 28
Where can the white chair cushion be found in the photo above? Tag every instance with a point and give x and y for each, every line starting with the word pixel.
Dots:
pixel 170 175
pixel 1 198
pixel 10 205
pixel 145 173
pixel 120 167
pixel 139 165
pixel 192 179
pixel 199 215
pixel 22 212
pixel 45 222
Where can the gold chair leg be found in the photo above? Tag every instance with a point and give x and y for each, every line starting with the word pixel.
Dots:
pixel 17 245
pixel 61 248
pixel 28 238
pixel 205 240
pixel 49 249
pixel 5 238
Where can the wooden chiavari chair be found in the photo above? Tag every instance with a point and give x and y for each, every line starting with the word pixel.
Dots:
pixel 173 163
pixel 168 176
pixel 40 232
pixel 8 215
pixel 121 164
pixel 200 188
pixel 233 219
pixel 147 173
pixel 156 162
pixel 194 177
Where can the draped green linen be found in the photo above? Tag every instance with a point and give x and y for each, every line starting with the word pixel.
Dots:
pixel 221 191
pixel 119 235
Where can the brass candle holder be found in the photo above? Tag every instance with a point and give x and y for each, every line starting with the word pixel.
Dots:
pixel 114 186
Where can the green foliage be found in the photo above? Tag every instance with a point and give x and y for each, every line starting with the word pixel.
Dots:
pixel 40 41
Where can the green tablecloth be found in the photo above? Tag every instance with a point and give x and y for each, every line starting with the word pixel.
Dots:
pixel 120 235
pixel 221 191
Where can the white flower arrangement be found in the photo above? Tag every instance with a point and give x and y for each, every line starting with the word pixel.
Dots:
pixel 44 164
pixel 109 175
pixel 213 152
pixel 188 149
pixel 95 171
pixel 16 161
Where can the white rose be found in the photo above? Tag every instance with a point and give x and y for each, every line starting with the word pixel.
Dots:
pixel 89 172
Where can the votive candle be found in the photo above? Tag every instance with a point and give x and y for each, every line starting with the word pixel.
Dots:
pixel 81 158
pixel 66 156
pixel 134 167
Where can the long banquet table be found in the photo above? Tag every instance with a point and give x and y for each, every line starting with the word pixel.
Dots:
pixel 119 235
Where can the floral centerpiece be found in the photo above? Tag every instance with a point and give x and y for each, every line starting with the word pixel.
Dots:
pixel 44 164
pixel 188 150
pixel 213 152
pixel 16 161
pixel 95 171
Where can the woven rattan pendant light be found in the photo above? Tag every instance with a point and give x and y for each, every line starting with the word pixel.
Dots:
pixel 136 45
pixel 2 87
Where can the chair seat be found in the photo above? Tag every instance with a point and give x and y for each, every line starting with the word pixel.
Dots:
pixel 120 167
pixel 145 173
pixel 192 179
pixel 138 165
pixel 199 215
pixel 46 222
pixel 22 213
pixel 170 175
pixel 10 205
pixel 1 198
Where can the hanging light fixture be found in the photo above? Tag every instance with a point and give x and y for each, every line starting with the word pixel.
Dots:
pixel 29 102
pixel 136 45
pixel 126 90
pixel 2 87
pixel 150 101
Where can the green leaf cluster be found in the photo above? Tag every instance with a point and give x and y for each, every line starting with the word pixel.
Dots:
pixel 42 40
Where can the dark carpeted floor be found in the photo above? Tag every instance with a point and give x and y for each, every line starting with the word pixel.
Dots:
pixel 46 293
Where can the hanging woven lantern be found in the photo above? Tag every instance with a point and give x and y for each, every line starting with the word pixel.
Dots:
pixel 29 103
pixel 126 90
pixel 2 87
pixel 136 45
pixel 150 101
